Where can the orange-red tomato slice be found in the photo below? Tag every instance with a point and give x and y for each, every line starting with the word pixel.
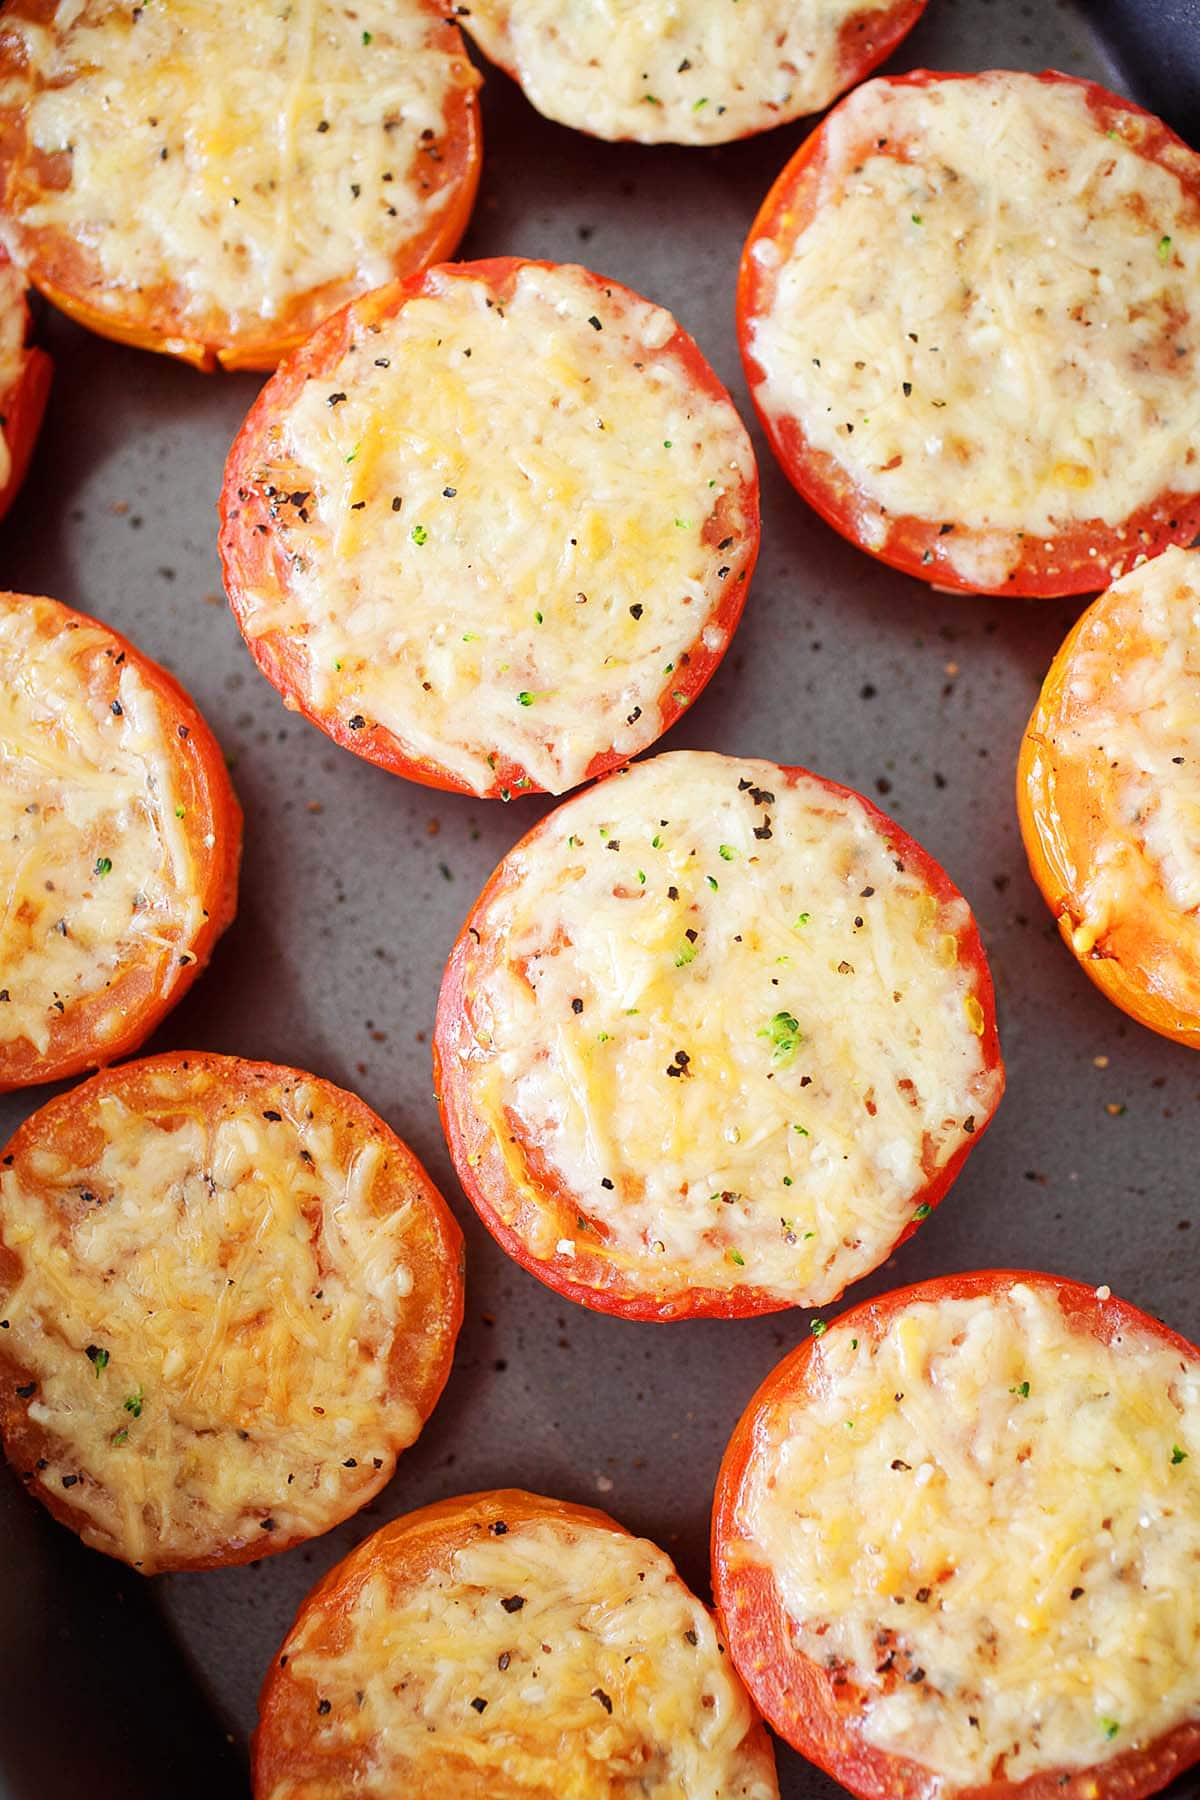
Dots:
pixel 230 1299
pixel 492 528
pixel 1107 793
pixel 986 1412
pixel 215 194
pixel 120 848
pixel 971 370
pixel 502 1646
pixel 716 1036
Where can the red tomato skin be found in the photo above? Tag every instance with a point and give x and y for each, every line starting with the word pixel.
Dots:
pixel 483 1179
pixel 251 557
pixel 21 1443
pixel 800 1699
pixel 21 408
pixel 20 1064
pixel 1069 566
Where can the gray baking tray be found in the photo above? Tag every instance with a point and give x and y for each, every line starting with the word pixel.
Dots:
pixel 355 884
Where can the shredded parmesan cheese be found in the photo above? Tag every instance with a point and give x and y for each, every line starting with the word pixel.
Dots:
pixel 1132 709
pixel 679 71
pixel 554 1660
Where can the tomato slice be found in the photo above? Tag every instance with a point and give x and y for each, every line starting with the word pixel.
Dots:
pixel 493 527
pixel 952 352
pixel 897 1641
pixel 502 1646
pixel 25 375
pixel 715 1038
pixel 215 194
pixel 121 841
pixel 230 1296
pixel 1106 790
pixel 660 73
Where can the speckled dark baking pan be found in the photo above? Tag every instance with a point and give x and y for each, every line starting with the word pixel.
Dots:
pixel 355 884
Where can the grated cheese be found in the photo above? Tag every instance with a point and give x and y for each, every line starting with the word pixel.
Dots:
pixel 678 71
pixel 511 527
pixel 742 1069
pixel 1046 1563
pixel 1131 711
pixel 606 1682
pixel 992 303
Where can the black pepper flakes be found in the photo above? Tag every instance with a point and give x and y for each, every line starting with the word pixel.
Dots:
pixel 600 1695
pixel 324 1707
pixel 479 1703
pixel 513 1603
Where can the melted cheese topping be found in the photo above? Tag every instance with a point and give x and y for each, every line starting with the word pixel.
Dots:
pixel 12 348
pixel 599 1674
pixel 509 524
pixel 991 1522
pixel 96 871
pixel 990 319
pixel 244 1280
pixel 1132 707
pixel 675 71
pixel 715 1010
pixel 241 168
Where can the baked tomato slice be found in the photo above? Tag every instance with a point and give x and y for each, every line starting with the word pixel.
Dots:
pixel 215 193
pixel 702 73
pixel 715 1038
pixel 492 528
pixel 120 836
pixel 1108 793
pixel 967 314
pixel 954 1544
pixel 230 1297
pixel 25 373
pixel 501 1646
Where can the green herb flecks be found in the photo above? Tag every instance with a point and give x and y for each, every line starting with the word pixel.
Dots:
pixel 784 1033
